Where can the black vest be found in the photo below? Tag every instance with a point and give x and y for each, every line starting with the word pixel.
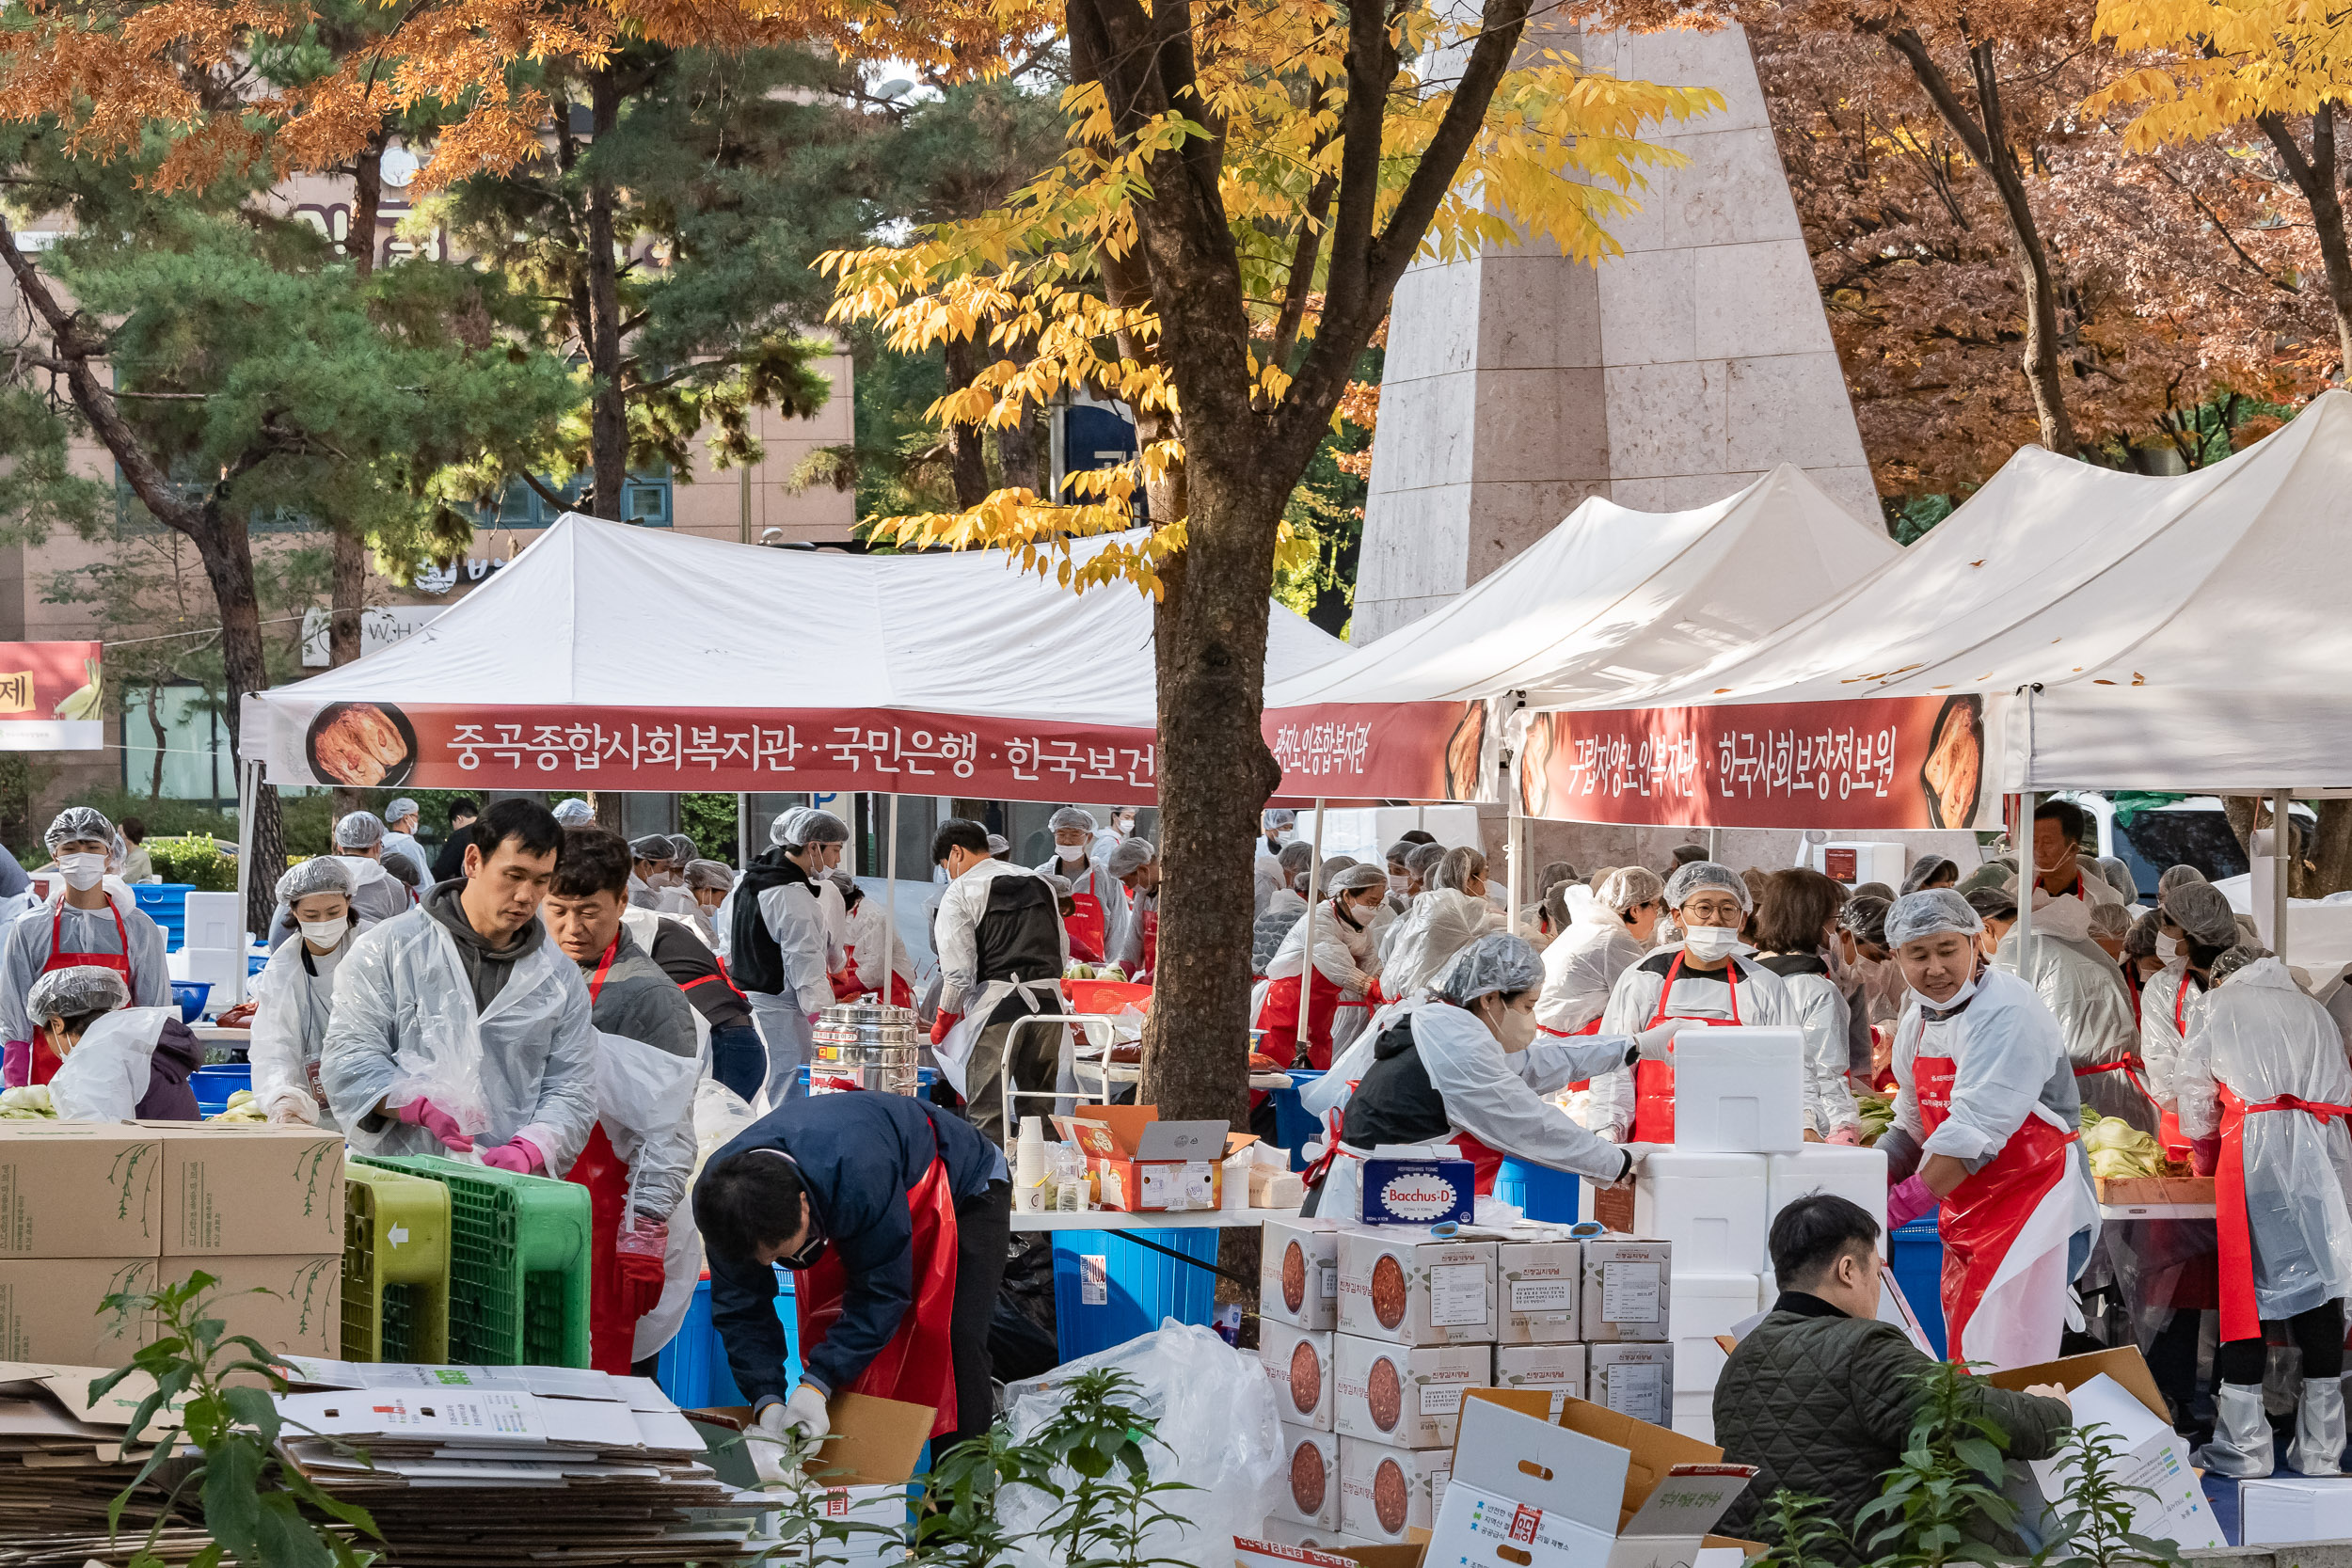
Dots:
pixel 1019 935
pixel 755 962
pixel 1395 1101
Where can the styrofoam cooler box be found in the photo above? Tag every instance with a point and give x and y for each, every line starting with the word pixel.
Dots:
pixel 1740 1090
pixel 1855 1174
pixel 1695 1415
pixel 213 921
pixel 224 967
pixel 1707 1305
pixel 1710 1206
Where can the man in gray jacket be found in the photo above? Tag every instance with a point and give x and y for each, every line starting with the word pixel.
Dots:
pixel 1821 1394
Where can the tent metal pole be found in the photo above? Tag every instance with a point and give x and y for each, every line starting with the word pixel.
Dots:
pixel 890 905
pixel 1512 857
pixel 743 831
pixel 2028 878
pixel 2282 856
pixel 1307 963
pixel 248 794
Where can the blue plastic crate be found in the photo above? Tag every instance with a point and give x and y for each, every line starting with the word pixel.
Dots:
pixel 1538 1191
pixel 693 1367
pixel 1108 1291
pixel 1919 1270
pixel 166 904
pixel 214 1084
pixel 1294 1126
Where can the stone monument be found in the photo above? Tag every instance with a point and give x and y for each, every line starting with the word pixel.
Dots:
pixel 1520 383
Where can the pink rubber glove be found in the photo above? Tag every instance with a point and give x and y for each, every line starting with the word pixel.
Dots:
pixel 1906 1201
pixel 522 1157
pixel 1851 1136
pixel 424 1114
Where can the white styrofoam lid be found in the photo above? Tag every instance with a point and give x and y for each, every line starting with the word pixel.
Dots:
pixel 1691 1288
pixel 1688 1163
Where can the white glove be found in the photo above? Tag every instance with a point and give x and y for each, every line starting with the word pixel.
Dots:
pixel 1655 1039
pixel 1636 1153
pixel 804 1413
pixel 767 1440
pixel 291 1107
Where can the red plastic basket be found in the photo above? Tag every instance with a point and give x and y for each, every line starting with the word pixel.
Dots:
pixel 1107 996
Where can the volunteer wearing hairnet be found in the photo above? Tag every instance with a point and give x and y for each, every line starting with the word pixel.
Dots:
pixel 1135 866
pixel 1582 965
pixel 1342 972
pixel 1701 978
pixel 1400 886
pixel 707 883
pixel 295 994
pixel 86 922
pixel 1280 910
pixel 1091 891
pixel 461 1024
pixel 650 869
pixel 2119 876
pixel 1930 871
pixel 1864 921
pixel 2264 1069
pixel 2195 925
pixel 574 812
pixel 1464 1067
pixel 1269 871
pixel 2110 924
pixel 2083 991
pixel 640 1156
pixel 1421 865
pixel 120 1063
pixel 1002 949
pixel 376 895
pixel 776 947
pixel 1986 1121
pixel 399 839
pixel 1416 946
pixel 873 950
pixel 1795 921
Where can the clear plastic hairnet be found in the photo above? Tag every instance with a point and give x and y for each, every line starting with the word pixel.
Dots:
pixel 1062 885
pixel 2112 922
pixel 1296 856
pixel 997 843
pixel 1355 878
pixel 805 825
pixel 1991 874
pixel 1556 906
pixel 1072 819
pixel 1629 887
pixel 1926 869
pixel 574 812
pixel 1130 856
pixel 2247 931
pixel 1280 818
pixel 400 808
pixel 653 846
pixel 320 874
pixel 1552 875
pixel 681 849
pixel 1456 867
pixel 1400 853
pixel 1496 962
pixel 2237 959
pixel 2119 876
pixel 2140 941
pixel 1864 915
pixel 1926 912
pixel 851 892
pixel 80 822
pixel 2203 912
pixel 1334 865
pixel 715 875
pixel 1424 859
pixel 2177 875
pixel 1994 903
pixel 1879 891
pixel 1699 874
pixel 75 992
pixel 1440 924
pixel 361 830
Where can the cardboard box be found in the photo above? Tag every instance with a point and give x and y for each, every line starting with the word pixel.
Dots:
pixel 1147 1166
pixel 2288 1510
pixel 50 1310
pixel 1298 1274
pixel 1626 1290
pixel 78 1189
pixel 1556 1370
pixel 1409 1396
pixel 291 1303
pixel 248 1190
pixel 1310 1476
pixel 1740 1090
pixel 1412 1288
pixel 1536 1292
pixel 1285 1543
pixel 1634 1379
pixel 1528 1494
pixel 2114 1387
pixel 867 1464
pixel 1418 1192
pixel 1298 1362
pixel 1387 1494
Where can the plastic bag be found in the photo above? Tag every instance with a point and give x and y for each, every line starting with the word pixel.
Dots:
pixel 106 1074
pixel 1216 1429
pixel 719 1114
pixel 644 1098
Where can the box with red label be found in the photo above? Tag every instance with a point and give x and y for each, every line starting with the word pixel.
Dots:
pixel 1298 1362
pixel 1536 1291
pixel 1415 1289
pixel 1311 1478
pixel 1418 1192
pixel 1406 1395
pixel 1390 1494
pixel 1144 1165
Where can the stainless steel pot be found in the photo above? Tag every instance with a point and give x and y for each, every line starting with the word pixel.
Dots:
pixel 865 1045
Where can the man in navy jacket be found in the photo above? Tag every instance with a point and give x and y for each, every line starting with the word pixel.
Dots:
pixel 833 1172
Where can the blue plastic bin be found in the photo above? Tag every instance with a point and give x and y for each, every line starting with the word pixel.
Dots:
pixel 693 1367
pixel 1919 1270
pixel 1538 1191
pixel 1294 1127
pixel 1108 1291
pixel 166 904
pixel 214 1084
pixel 189 996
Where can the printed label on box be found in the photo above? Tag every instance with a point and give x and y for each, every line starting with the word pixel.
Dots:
pixel 1442 1399
pixel 1634 1390
pixel 1330 1287
pixel 1457 1294
pixel 1541 1295
pixel 1094 1284
pixel 1629 1292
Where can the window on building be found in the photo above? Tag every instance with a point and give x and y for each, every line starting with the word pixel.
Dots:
pixel 189 758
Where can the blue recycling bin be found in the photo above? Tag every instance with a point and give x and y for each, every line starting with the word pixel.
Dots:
pixel 1108 1291
pixel 1294 1126
pixel 692 1368
pixel 166 904
pixel 1538 1191
pixel 1918 1265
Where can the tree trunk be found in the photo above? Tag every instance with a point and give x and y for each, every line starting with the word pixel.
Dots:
pixel 227 552
pixel 1021 452
pixel 2316 176
pixel 348 551
pixel 608 418
pixel 969 464
pixel 2331 849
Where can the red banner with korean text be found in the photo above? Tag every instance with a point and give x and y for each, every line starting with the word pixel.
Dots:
pixel 387 746
pixel 1379 751
pixel 1869 763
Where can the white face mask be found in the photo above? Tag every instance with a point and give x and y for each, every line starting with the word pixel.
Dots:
pixel 1710 943
pixel 82 872
pixel 323 933
pixel 2167 948
pixel 1514 1028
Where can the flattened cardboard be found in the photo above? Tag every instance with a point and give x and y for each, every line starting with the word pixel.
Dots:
pixel 2115 1390
pixel 243 1190
pixel 49 1309
pixel 78 1189
pixel 2124 1365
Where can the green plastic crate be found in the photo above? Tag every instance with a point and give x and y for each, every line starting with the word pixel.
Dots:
pixel 518 1263
pixel 395 1266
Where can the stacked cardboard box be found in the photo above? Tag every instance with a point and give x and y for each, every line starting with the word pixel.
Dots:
pixel 261 1210
pixel 81 1219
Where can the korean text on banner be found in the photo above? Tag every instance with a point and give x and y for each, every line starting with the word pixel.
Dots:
pixel 51 697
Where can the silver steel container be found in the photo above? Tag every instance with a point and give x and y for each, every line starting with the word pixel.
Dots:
pixel 865 1045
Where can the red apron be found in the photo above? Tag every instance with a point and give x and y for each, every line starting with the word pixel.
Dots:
pixel 1986 1212
pixel 1151 944
pixel 1654 1081
pixel 615 1304
pixel 1087 926
pixel 2169 1133
pixel 847 987
pixel 2129 1068
pixel 1279 1016
pixel 46 1062
pixel 2240 1317
pixel 918 1365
